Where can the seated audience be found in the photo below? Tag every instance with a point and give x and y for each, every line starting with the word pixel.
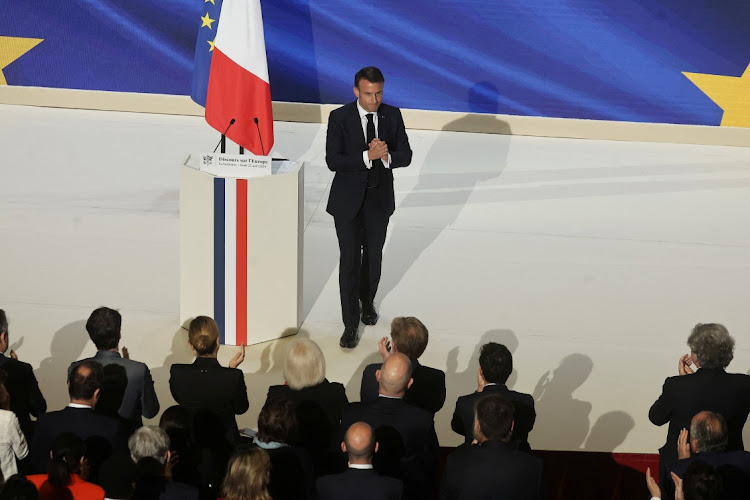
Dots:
pixel 292 476
pixel 406 433
pixel 149 449
pixel 63 478
pixel 12 441
pixel 128 383
pixel 360 480
pixel 318 403
pixel 700 482
pixel 103 434
pixel 247 476
pixel 409 337
pixel 206 384
pixel 495 366
pixel 17 487
pixel 117 475
pixel 184 455
pixel 26 399
pixel 706 387
pixel 492 469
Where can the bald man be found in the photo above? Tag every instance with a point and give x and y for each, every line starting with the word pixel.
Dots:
pixel 360 480
pixel 408 446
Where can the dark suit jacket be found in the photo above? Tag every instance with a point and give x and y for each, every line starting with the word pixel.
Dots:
pixel 206 385
pixel 345 143
pixel 362 484
pixel 103 435
pixel 491 470
pixel 139 398
pixel 427 391
pixel 707 389
pixel 525 415
pixel 733 467
pixel 408 445
pixel 23 388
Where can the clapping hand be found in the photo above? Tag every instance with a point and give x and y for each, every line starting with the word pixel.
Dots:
pixel 384 347
pixel 684 365
pixel 378 150
pixel 652 484
pixel 238 358
pixel 683 447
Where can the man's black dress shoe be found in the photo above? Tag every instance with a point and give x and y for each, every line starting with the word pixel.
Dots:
pixel 349 339
pixel 369 315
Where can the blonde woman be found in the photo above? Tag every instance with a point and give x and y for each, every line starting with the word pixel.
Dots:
pixel 248 475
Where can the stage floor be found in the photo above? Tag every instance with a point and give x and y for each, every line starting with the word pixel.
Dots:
pixel 590 260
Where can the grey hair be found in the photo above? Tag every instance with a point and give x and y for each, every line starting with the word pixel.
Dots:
pixel 710 432
pixel 304 365
pixel 712 344
pixel 149 441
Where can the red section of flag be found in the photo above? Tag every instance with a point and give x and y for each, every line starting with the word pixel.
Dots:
pixel 241 328
pixel 234 92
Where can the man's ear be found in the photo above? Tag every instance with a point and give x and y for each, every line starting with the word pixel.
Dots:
pixel 343 446
pixel 356 92
pixel 96 395
pixel 411 381
pixel 377 445
pixel 377 375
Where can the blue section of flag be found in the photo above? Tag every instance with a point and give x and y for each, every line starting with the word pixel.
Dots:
pixel 591 59
pixel 219 255
pixel 203 45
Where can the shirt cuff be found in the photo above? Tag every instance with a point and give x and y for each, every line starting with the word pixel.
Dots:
pixel 387 163
pixel 367 161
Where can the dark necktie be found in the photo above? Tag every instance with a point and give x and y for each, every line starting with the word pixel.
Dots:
pixel 373 174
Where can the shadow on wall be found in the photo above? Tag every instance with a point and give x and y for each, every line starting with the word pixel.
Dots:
pixel 561 419
pixel 441 189
pixel 179 353
pixel 67 346
pixel 609 431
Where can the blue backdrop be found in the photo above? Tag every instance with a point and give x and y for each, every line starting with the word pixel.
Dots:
pixel 596 59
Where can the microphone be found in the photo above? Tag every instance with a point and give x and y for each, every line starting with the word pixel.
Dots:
pixel 223 136
pixel 259 136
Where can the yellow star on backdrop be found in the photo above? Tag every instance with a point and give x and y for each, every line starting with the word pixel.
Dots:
pixel 211 43
pixel 207 21
pixel 730 93
pixel 11 48
pixel 212 1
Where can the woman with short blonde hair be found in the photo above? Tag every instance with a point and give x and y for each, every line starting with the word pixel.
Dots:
pixel 304 365
pixel 247 477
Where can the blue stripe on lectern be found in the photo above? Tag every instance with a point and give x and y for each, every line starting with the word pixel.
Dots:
pixel 219 252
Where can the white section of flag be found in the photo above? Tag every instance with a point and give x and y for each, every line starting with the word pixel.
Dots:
pixel 240 36
pixel 230 261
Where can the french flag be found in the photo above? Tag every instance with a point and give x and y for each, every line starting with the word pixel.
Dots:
pixel 238 85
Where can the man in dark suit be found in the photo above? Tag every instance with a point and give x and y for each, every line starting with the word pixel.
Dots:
pixel 492 469
pixel 103 434
pixel 495 366
pixel 406 433
pixel 708 387
pixel 365 141
pixel 129 390
pixel 409 337
pixel 205 384
pixel 360 480
pixel 22 386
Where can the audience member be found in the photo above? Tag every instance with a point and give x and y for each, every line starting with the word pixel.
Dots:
pixel 17 487
pixel 63 478
pixel 117 475
pixel 495 366
pixel 318 403
pixel 103 434
pixel 700 482
pixel 149 449
pixel 492 469
pixel 707 387
pixel 183 457
pixel 12 441
pixel 360 479
pixel 406 433
pixel 409 337
pixel 130 387
pixel 248 474
pixel 206 384
pixel 25 397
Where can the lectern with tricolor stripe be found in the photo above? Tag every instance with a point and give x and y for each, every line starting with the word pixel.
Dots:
pixel 241 251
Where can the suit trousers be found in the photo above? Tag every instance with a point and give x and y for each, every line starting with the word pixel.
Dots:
pixel 361 242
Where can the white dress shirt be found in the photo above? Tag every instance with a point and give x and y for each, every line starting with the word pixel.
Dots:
pixel 363 118
pixel 12 443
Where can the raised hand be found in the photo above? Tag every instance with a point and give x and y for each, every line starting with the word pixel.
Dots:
pixel 238 358
pixel 683 447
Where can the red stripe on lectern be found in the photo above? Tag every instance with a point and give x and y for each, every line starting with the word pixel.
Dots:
pixel 241 261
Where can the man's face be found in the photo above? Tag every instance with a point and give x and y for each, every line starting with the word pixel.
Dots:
pixel 369 95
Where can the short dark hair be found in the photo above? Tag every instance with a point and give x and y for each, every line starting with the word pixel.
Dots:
pixel 82 385
pixel 277 421
pixel 496 362
pixel 409 336
pixel 710 431
pixel 371 74
pixel 495 417
pixel 3 322
pixel 702 482
pixel 104 328
pixel 17 487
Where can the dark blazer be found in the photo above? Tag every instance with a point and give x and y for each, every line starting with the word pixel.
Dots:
pixel 525 415
pixel 345 143
pixel 139 398
pixel 733 467
pixel 103 435
pixel 206 385
pixel 23 388
pixel 491 470
pixel 427 391
pixel 408 445
pixel 706 389
pixel 362 484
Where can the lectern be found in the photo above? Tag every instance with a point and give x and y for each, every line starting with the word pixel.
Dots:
pixel 241 251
